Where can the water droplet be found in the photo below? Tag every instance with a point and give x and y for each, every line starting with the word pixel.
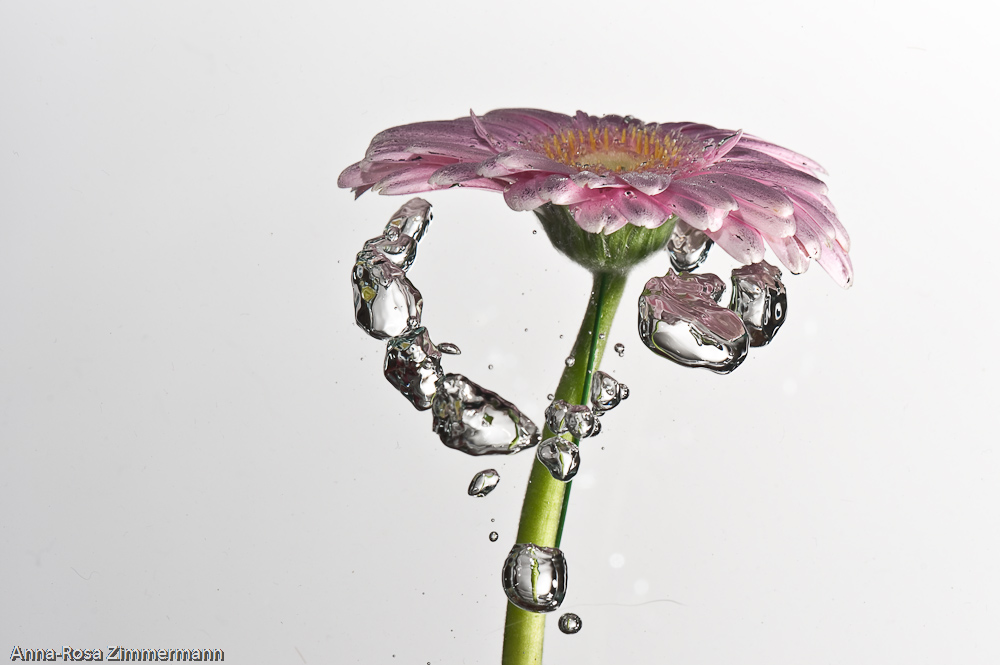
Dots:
pixel 385 301
pixel 560 457
pixel 477 421
pixel 534 578
pixel 413 366
pixel 484 482
pixel 570 361
pixel 494 536
pixel 602 336
pixel 490 367
pixel 680 319
pixel 597 427
pixel 560 336
pixel 535 232
pixel 688 247
pixel 605 392
pixel 570 623
pixel 759 299
pixel 412 219
pixel 620 349
pixel 576 419
pixel 449 348
pixel 401 250
pixel 550 397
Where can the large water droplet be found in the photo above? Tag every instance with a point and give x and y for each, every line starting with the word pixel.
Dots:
pixel 759 299
pixel 477 421
pixel 385 301
pixel 577 419
pixel 400 250
pixel 413 366
pixel 620 349
pixel 411 220
pixel 484 482
pixel 560 457
pixel 570 623
pixel 534 578
pixel 679 319
pixel 688 247
pixel 605 392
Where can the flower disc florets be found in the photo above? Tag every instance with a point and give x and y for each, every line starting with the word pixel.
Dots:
pixel 613 171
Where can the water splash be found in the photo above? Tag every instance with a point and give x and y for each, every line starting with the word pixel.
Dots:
pixel 413 366
pixel 484 482
pixel 477 421
pixel 534 578
pixel 688 247
pixel 560 457
pixel 570 623
pixel 605 392
pixel 759 299
pixel 385 302
pixel 679 319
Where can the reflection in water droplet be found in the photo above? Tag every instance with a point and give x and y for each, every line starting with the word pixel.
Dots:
pixel 411 220
pixel 688 247
pixel 620 349
pixel 560 457
pixel 605 392
pixel 484 482
pixel 577 419
pixel 680 320
pixel 494 536
pixel 413 366
pixel 384 299
pixel 449 348
pixel 534 578
pixel 570 361
pixel 477 421
pixel 759 299
pixel 570 623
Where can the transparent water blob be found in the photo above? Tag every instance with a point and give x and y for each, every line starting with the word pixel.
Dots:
pixel 759 299
pixel 494 536
pixel 577 419
pixel 688 247
pixel 560 457
pixel 534 577
pixel 570 623
pixel 605 392
pixel 620 349
pixel 413 366
pixel 680 319
pixel 385 302
pixel 477 421
pixel 484 482
pixel 410 220
pixel 450 349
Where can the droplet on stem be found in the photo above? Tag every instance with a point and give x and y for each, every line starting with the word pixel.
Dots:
pixel 534 578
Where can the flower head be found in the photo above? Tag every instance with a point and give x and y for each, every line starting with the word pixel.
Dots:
pixel 612 171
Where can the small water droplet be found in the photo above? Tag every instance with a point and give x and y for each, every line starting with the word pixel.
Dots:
pixel 477 421
pixel 620 349
pixel 490 367
pixel 525 330
pixel 688 247
pixel 679 319
pixel 560 457
pixel 550 397
pixel 759 299
pixel 602 336
pixel 577 419
pixel 413 366
pixel 494 536
pixel 449 348
pixel 412 219
pixel 560 336
pixel 484 482
pixel 570 361
pixel 535 232
pixel 605 392
pixel 385 301
pixel 493 519
pixel 534 578
pixel 570 623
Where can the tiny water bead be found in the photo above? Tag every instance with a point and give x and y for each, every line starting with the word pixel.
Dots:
pixel 413 366
pixel 477 421
pixel 535 578
pixel 570 361
pixel 494 536
pixel 620 349
pixel 484 482
pixel 759 299
pixel 688 247
pixel 560 457
pixel 680 319
pixel 570 623
pixel 605 392
pixel 577 419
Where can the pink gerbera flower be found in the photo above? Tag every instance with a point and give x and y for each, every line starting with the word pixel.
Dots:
pixel 609 172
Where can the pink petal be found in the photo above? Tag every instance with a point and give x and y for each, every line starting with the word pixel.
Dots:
pixel 516 161
pixel 351 177
pixel 835 261
pixel 563 191
pixel 524 194
pixel 591 180
pixel 698 215
pixel 749 190
pixel 711 196
pixel 790 157
pixel 825 218
pixel 640 209
pixel 594 215
pixel 790 253
pixel 809 236
pixel 766 221
pixel 646 182
pixel 740 241
pixel 407 181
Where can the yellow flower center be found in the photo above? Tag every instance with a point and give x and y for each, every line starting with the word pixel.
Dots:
pixel 606 150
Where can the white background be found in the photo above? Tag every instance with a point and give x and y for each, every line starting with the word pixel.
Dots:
pixel 199 448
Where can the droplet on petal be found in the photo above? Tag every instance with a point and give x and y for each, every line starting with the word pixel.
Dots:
pixel 385 301
pixel 605 392
pixel 570 623
pixel 477 421
pixel 484 482
pixel 560 457
pixel 570 361
pixel 759 299
pixel 688 247
pixel 534 578
pixel 679 319
pixel 413 366
pixel 494 536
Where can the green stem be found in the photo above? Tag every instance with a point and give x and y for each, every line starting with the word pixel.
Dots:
pixel 544 511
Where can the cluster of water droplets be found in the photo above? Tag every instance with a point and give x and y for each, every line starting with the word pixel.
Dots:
pixel 387 305
pixel 681 318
